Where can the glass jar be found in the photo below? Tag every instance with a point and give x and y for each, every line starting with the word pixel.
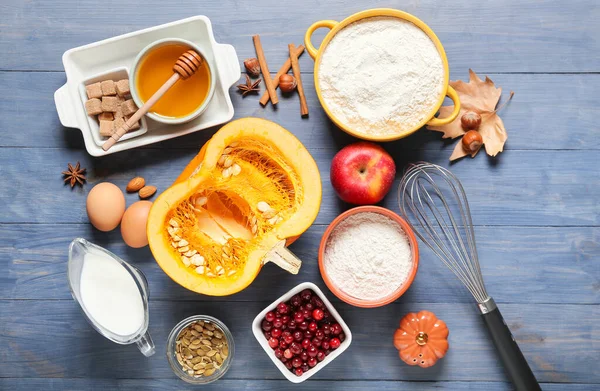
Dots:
pixel 172 350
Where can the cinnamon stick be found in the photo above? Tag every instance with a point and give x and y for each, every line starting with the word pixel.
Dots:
pixel 283 70
pixel 265 69
pixel 299 87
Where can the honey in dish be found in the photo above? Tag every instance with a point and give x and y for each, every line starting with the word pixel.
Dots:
pixel 185 96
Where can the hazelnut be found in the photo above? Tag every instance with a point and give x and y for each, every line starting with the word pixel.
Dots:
pixel 470 120
pixel 472 141
pixel 252 66
pixel 287 83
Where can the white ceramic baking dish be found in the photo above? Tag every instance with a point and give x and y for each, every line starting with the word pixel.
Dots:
pixel 260 337
pixel 84 62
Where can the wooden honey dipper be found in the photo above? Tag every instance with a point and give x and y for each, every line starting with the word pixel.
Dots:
pixel 185 66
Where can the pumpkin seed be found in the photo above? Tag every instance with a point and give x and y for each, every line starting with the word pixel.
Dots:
pixel 209 372
pixel 271 221
pixel 201 201
pixel 228 162
pixel 218 358
pixel 186 261
pixel 185 341
pixel 230 273
pixel 206 342
pixel 269 214
pixel 173 223
pixel 211 353
pixel 236 169
pixel 262 206
pixel 210 274
pixel 200 270
pixel 191 253
pixel 220 271
pixel 221 160
pixel 227 151
pixel 183 243
pixel 226 173
pixel 254 229
pixel 210 365
pixel 190 372
pixel 198 328
pixel 183 249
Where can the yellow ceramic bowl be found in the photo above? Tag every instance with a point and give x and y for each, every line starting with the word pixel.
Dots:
pixel 335 27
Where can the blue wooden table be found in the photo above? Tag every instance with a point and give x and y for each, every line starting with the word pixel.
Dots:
pixel 536 206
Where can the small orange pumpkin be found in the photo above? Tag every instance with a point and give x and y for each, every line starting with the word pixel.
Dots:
pixel 421 339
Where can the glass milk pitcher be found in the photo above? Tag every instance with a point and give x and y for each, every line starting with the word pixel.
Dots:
pixel 112 294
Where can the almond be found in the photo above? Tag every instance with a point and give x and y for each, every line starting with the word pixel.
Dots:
pixel 135 184
pixel 147 192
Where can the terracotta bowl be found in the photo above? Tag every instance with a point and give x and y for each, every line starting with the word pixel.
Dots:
pixel 398 292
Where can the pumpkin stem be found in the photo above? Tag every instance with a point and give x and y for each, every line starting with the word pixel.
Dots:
pixel 284 258
pixel 421 338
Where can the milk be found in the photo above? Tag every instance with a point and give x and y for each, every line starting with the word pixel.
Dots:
pixel 110 295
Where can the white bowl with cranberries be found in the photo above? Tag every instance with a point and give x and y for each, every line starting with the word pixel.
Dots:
pixel 301 332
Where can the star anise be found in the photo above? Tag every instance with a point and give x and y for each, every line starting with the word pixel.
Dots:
pixel 249 86
pixel 74 175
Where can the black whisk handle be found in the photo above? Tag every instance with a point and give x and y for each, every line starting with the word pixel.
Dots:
pixel 516 365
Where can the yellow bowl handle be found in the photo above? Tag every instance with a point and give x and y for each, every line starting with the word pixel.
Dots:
pixel 451 93
pixel 312 51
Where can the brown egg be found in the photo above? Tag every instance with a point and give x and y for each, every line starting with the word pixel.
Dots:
pixel 133 225
pixel 105 206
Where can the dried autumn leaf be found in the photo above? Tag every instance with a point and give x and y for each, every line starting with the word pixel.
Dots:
pixel 479 96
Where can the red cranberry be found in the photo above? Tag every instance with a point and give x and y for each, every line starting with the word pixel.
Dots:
pixel 317 314
pixel 336 329
pixel 283 327
pixel 279 353
pixel 277 323
pixel 298 372
pixel 283 360
pixel 296 301
pixel 308 334
pixel 316 342
pixel 304 367
pixel 298 336
pixel 327 352
pixel 320 355
pixel 326 314
pixel 325 345
pixel 317 302
pixel 291 325
pixel 295 347
pixel 266 325
pixel 296 362
pixel 312 362
pixel 303 325
pixel 298 317
pixel 287 337
pixel 306 295
pixel 288 364
pixel 276 333
pixel 305 343
pixel 326 329
pixel 309 306
pixel 312 326
pixel 285 319
pixel 282 308
pixel 306 313
pixel 319 334
pixel 282 344
pixel 304 355
pixel 287 353
pixel 312 351
pixel 267 334
pixel 273 343
pixel 270 316
pixel 335 343
pixel 342 337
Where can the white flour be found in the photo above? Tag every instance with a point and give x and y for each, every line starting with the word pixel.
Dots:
pixel 381 75
pixel 368 256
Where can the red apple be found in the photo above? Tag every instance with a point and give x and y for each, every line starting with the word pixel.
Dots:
pixel 362 173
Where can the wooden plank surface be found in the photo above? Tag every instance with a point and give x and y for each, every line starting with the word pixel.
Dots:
pixel 514 270
pixel 500 36
pixel 533 121
pixel 541 330
pixel 536 207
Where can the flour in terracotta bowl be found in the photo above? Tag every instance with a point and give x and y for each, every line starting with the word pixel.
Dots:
pixel 368 256
pixel 381 76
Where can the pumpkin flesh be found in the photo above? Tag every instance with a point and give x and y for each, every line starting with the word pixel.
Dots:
pixel 215 212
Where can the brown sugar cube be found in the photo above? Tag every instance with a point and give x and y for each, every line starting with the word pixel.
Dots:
pixel 106 117
pixel 128 107
pixel 109 103
pixel 122 87
pixel 108 88
pixel 94 90
pixel 93 106
pixel 135 126
pixel 106 128
pixel 117 123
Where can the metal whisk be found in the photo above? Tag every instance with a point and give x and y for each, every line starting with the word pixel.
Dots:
pixel 434 203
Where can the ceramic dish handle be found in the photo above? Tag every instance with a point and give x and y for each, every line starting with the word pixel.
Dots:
pixel 64 107
pixel 312 51
pixel 230 67
pixel 450 93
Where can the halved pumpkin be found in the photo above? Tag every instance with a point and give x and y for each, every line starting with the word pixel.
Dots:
pixel 252 187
